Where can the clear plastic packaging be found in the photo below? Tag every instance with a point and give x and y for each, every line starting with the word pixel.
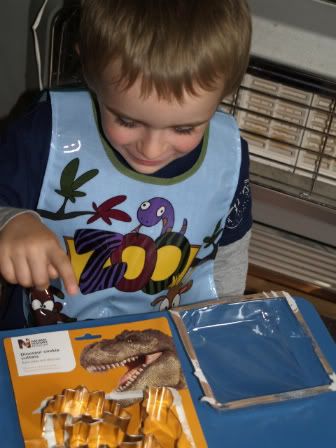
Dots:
pixel 253 351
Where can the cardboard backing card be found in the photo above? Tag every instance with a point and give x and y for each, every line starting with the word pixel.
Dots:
pixel 59 376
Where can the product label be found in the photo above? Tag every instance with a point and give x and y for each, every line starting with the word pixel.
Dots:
pixel 43 353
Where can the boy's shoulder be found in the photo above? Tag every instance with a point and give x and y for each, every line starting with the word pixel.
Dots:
pixel 36 118
pixel 27 137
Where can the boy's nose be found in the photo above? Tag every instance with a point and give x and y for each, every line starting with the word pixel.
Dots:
pixel 151 145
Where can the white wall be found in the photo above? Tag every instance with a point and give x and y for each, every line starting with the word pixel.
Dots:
pixel 13 50
pixel 298 33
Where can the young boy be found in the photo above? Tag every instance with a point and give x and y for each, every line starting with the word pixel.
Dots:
pixel 134 197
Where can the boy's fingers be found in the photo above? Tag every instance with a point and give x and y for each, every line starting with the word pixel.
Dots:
pixel 62 265
pixel 23 272
pixel 52 272
pixel 39 273
pixel 8 272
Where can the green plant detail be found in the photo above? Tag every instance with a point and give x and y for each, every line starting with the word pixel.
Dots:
pixel 69 184
pixel 208 241
pixel 69 189
pixel 211 240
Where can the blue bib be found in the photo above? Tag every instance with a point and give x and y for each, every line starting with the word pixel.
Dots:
pixel 137 243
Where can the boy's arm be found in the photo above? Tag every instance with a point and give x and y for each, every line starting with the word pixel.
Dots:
pixel 24 151
pixel 231 266
pixel 239 219
pixel 8 213
pixel 231 262
pixel 30 134
pixel 23 157
pixel 30 253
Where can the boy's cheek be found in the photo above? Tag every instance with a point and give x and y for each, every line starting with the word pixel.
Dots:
pixel 188 143
pixel 115 135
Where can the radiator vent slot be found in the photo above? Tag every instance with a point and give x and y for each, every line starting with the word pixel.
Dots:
pixel 293 256
pixel 289 121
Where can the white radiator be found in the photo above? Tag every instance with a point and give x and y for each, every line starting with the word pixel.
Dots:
pixel 293 256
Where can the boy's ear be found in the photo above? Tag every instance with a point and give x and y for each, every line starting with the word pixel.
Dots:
pixel 77 49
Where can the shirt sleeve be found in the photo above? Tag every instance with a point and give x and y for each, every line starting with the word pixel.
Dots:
pixel 239 220
pixel 24 151
pixel 231 264
pixel 8 213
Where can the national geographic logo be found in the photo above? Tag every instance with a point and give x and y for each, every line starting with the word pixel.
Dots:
pixel 32 343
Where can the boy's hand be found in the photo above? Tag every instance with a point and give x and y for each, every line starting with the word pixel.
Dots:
pixel 30 255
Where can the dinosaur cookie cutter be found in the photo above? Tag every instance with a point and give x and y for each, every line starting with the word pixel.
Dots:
pixel 78 418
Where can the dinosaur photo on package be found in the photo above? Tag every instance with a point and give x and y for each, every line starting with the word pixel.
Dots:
pixel 149 355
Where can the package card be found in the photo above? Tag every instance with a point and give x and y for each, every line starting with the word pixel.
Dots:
pixel 45 367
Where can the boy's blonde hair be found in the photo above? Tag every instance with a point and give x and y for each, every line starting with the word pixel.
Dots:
pixel 172 46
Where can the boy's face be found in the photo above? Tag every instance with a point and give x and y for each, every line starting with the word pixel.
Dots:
pixel 150 133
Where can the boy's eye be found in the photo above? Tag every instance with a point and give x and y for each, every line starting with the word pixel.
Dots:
pixel 185 131
pixel 125 122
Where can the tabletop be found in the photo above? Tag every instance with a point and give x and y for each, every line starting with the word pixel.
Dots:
pixel 305 422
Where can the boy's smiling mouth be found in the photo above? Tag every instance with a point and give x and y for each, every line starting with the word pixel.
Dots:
pixel 148 162
pixel 139 161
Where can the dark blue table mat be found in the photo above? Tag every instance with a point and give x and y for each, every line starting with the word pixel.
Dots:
pixel 302 423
